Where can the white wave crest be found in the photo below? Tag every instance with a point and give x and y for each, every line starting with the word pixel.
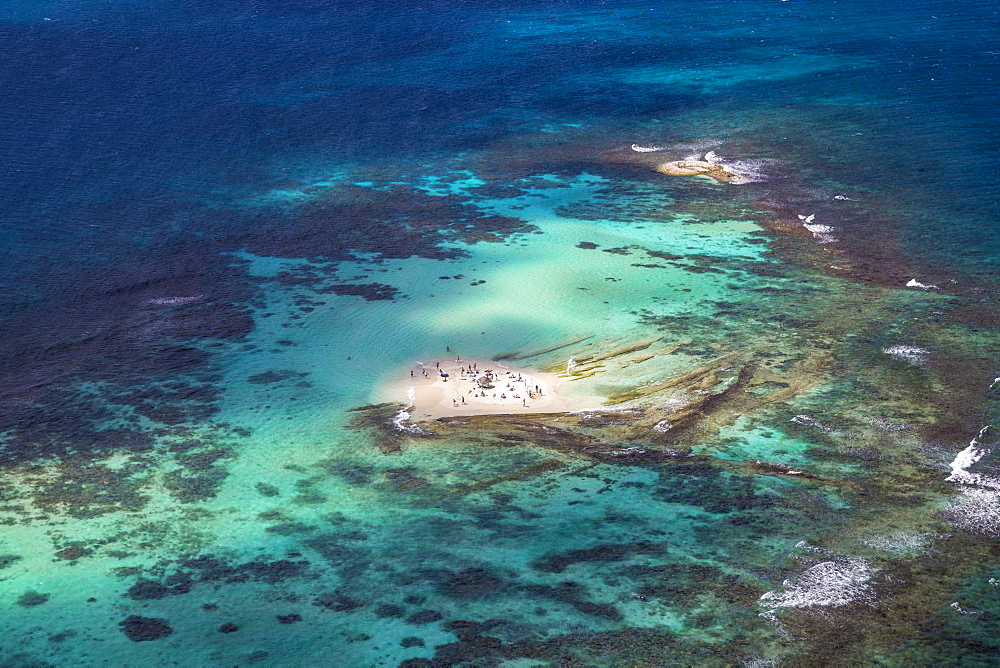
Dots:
pixel 976 510
pixel 822 233
pixel 813 422
pixel 901 543
pixel 403 416
pixel 909 353
pixel 746 171
pixel 968 457
pixel 647 149
pixel 176 301
pixel 914 283
pixel 828 584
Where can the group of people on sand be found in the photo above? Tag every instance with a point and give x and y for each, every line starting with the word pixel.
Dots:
pixel 505 379
pixel 509 384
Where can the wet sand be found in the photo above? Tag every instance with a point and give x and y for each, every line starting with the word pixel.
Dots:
pixel 463 391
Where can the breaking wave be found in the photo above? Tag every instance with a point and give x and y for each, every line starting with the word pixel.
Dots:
pixel 908 353
pixel 403 416
pixel 829 584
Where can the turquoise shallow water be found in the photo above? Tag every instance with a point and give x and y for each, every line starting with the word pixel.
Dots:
pixel 221 262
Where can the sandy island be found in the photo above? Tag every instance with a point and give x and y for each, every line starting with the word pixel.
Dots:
pixel 456 386
pixel 696 168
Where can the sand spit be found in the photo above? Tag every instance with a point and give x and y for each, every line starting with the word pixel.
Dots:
pixel 456 386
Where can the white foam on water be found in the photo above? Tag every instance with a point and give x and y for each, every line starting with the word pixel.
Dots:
pixel 570 364
pixel 662 426
pixel 812 422
pixel 845 198
pixel 627 452
pixel 403 416
pixel 901 543
pixel 176 301
pixel 591 412
pixel 976 510
pixel 827 584
pixel 647 149
pixel 803 545
pixel 968 457
pixel 962 611
pixel 821 233
pixel 914 283
pixel 909 353
pixel 977 507
pixel 747 171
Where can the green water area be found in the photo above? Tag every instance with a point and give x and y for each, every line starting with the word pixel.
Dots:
pixel 763 478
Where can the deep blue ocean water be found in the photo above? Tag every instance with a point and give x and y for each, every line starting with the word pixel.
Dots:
pixel 209 208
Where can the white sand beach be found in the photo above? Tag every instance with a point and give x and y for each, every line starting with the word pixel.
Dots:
pixel 457 386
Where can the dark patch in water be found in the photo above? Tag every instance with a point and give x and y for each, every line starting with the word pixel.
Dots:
pixel 7 560
pixel 145 590
pixel 355 474
pixel 199 485
pixel 389 610
pixel 63 636
pixel 559 563
pixel 404 479
pixel 337 601
pixel 267 490
pixel 275 376
pixel 30 599
pixel 210 568
pixel 422 617
pixel 367 291
pixel 180 577
pixel 139 629
pixel 572 593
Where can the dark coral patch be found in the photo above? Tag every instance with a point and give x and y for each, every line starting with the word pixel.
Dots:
pixel 139 629
pixel 470 583
pixel 145 590
pixel 368 291
pixel 30 599
pixel 558 563
pixel 7 559
pixel 275 376
pixel 587 245
pixel 389 610
pixel 424 617
pixel 573 594
pixel 73 553
pixel 337 601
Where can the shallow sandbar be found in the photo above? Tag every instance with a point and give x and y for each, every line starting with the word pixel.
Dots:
pixel 456 386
